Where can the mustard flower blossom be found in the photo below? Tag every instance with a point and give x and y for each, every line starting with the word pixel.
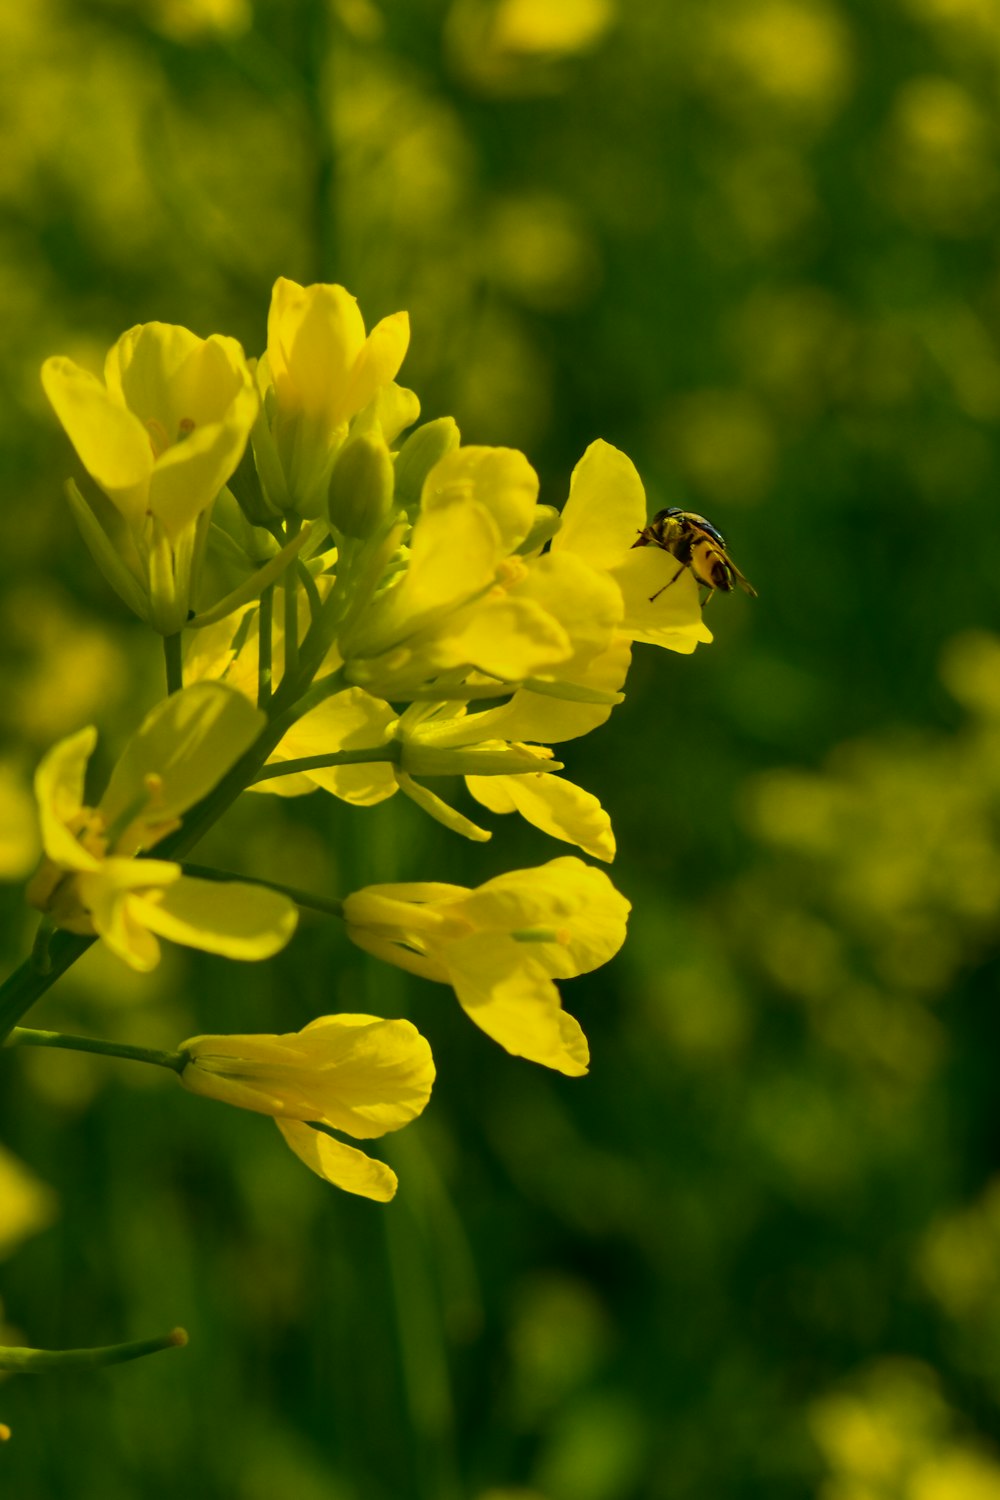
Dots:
pixel 466 600
pixel 356 1074
pixel 90 882
pixel 605 512
pixel 321 370
pixel 501 946
pixel 160 436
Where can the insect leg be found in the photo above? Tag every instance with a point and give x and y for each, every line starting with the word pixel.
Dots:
pixel 669 581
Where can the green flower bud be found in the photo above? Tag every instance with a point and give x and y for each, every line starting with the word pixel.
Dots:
pixel 418 455
pixel 360 494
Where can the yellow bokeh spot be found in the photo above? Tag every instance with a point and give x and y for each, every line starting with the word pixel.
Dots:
pixel 970 670
pixel 558 27
pixel 938 164
pixel 538 249
pixel 26 1205
pixel 960 1258
pixel 189 20
pixel 20 845
pixel 793 55
pixel 724 443
pixel 515 46
pixel 70 670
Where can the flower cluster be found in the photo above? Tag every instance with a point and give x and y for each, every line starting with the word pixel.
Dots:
pixel 392 610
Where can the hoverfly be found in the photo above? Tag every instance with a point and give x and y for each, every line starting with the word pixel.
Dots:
pixel 696 545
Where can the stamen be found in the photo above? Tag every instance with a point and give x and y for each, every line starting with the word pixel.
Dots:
pixel 559 935
pixel 159 438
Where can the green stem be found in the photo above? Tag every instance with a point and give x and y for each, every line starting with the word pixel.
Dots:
pixel 175 662
pixel 24 1036
pixel 318 693
pixel 308 582
pixel 40 1361
pixel 264 622
pixel 291 588
pixel 329 907
pixel 334 758
pixel 27 984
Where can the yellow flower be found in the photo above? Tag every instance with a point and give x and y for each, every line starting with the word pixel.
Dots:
pixel 89 881
pixel 321 369
pixel 604 514
pixel 356 1074
pixel 501 946
pixel 160 437
pixel 466 601
pixel 504 775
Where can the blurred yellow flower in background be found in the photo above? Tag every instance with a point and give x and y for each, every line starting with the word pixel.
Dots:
pixel 26 1205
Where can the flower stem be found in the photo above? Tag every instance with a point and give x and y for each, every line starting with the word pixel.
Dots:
pixel 308 582
pixel 175 663
pixel 264 623
pixel 330 907
pixel 38 1361
pixel 291 587
pixel 24 1036
pixel 334 758
pixel 27 983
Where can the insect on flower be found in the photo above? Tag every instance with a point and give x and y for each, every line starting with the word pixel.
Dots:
pixel 696 544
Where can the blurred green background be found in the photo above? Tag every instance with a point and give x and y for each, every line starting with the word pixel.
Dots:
pixel 757 1252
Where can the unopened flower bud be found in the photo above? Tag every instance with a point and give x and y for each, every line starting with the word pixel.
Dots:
pixel 422 450
pixel 361 486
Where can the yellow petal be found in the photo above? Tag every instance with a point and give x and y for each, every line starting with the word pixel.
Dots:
pixel 556 806
pixel 115 896
pixel 673 617
pixel 606 508
pixel 506 637
pixel 454 554
pixel 188 742
pixel 259 1072
pixel 298 784
pixel 344 1166
pixel 379 1074
pixel 59 783
pixel 314 337
pixel 541 719
pixel 564 894
pixel 500 479
pixel 350 720
pixel 360 1074
pixel 441 811
pixel 503 989
pixel 239 921
pixel 585 601
pixel 142 369
pixel 394 409
pixel 112 443
pixel 377 364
